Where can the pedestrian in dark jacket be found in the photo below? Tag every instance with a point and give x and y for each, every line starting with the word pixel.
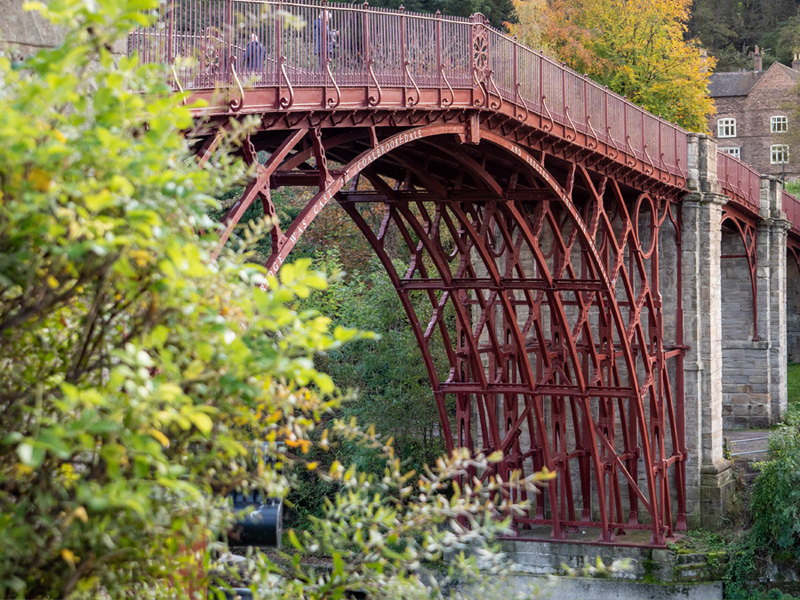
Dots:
pixel 322 29
pixel 254 54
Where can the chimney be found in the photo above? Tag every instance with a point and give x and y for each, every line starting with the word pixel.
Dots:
pixel 757 59
pixel 796 62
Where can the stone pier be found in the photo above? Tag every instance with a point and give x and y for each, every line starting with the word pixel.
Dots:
pixel 709 480
pixel 735 366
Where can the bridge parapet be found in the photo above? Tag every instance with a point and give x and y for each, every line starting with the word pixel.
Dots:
pixel 791 207
pixel 740 181
pixel 302 55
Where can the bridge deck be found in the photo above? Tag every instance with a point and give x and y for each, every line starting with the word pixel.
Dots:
pixel 288 56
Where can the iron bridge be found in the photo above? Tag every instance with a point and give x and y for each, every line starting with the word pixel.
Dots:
pixel 531 203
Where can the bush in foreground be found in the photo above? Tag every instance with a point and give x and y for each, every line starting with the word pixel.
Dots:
pixel 135 371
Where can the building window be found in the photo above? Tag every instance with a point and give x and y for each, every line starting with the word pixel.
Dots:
pixel 779 154
pixel 778 124
pixel 734 151
pixel 726 128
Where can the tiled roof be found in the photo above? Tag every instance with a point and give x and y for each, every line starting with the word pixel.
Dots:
pixel 722 85
pixel 741 83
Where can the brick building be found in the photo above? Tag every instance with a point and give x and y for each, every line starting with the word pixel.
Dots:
pixel 753 114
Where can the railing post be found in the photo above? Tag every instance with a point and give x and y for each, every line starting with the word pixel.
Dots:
pixel 367 50
pixel 564 91
pixel 625 125
pixel 278 47
pixel 675 147
pixel 171 32
pixel 644 140
pixel 585 100
pixel 403 51
pixel 228 39
pixel 439 57
pixel 541 85
pixel 516 70
pixel 323 52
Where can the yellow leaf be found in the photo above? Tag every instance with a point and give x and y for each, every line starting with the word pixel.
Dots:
pixel 160 437
pixel 80 512
pixel 203 422
pixel 23 470
pixel 52 281
pixel 40 179
pixel 30 6
pixel 312 465
pixel 495 457
pixel 141 257
pixel 69 556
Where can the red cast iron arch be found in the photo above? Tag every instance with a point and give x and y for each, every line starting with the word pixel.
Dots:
pixel 349 172
pixel 573 369
pixel 748 234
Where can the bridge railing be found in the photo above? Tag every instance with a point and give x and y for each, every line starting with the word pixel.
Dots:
pixel 791 206
pixel 550 89
pixel 270 43
pixel 739 180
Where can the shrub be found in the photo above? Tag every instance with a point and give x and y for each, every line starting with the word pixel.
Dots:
pixel 135 371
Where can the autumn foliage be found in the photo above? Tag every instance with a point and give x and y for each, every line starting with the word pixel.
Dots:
pixel 636 47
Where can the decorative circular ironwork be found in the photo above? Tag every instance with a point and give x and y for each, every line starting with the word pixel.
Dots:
pixel 480 48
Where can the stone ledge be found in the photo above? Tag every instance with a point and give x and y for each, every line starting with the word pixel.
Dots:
pixel 584 588
pixel 745 344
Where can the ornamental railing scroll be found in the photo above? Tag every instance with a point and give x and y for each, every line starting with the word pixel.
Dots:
pixel 316 43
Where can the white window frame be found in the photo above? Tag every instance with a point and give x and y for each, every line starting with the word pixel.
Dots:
pixel 734 151
pixel 778 124
pixel 778 154
pixel 726 128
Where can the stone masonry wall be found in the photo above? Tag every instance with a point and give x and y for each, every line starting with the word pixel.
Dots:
pixel 793 310
pixel 745 392
pixel 26 32
pixel 23 33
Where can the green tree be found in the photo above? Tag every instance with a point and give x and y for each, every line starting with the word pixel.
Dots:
pixel 386 372
pixel 730 29
pixel 774 535
pixel 636 47
pixel 498 12
pixel 134 372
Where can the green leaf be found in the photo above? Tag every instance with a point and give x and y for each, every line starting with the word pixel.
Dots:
pixel 104 426
pixel 202 421
pixel 294 541
pixel 338 564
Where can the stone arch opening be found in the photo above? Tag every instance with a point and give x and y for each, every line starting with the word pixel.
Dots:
pixel 793 305
pixel 745 386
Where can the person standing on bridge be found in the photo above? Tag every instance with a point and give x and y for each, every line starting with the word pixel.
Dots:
pixel 254 54
pixel 324 38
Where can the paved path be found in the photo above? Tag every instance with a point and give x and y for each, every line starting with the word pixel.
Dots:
pixel 748 445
